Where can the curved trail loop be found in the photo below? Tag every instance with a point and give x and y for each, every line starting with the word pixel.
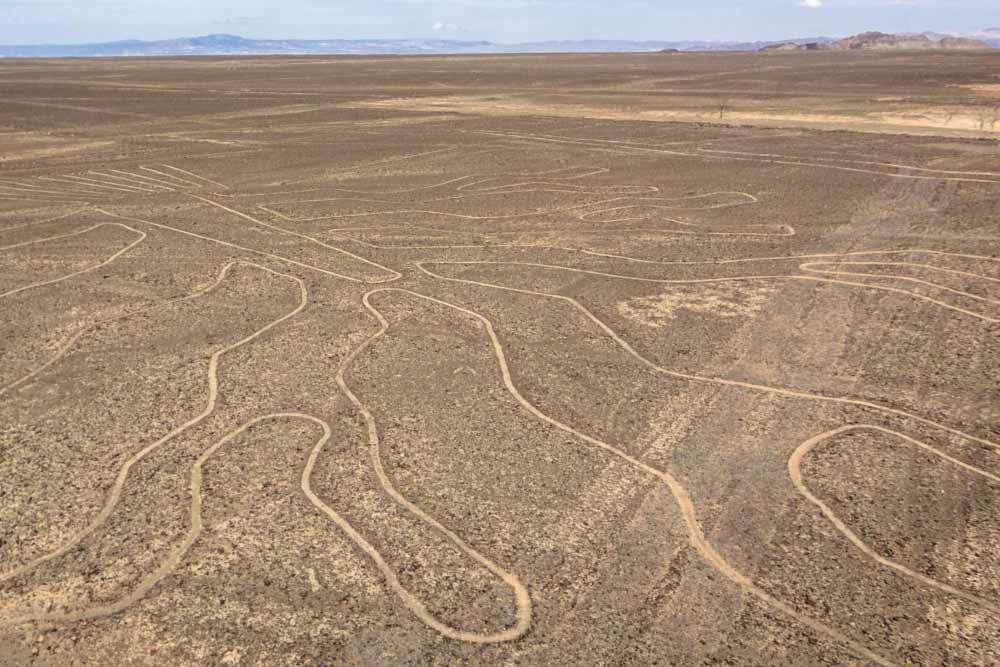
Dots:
pixel 213 394
pixel 522 598
pixel 142 237
pixel 176 556
pixel 795 472
pixel 696 536
pixel 196 527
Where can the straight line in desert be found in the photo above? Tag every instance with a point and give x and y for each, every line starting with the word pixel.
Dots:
pixel 703 155
pixel 213 394
pixel 395 275
pixel 151 181
pixel 559 209
pixel 46 221
pixel 73 187
pixel 124 180
pixel 194 175
pixel 809 266
pixel 433 186
pixel 61 192
pixel 868 162
pixel 354 168
pixel 703 262
pixel 67 197
pixel 236 246
pixel 142 236
pixel 180 180
pixel 116 186
pixel 44 199
pixel 86 184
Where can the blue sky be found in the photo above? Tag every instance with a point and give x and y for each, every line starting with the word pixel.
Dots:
pixel 69 21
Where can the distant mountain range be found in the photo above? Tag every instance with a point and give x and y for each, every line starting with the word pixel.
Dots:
pixel 216 45
pixel 880 41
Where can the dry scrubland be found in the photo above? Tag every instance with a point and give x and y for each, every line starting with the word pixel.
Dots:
pixel 625 360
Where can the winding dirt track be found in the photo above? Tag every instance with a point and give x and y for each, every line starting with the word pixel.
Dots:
pixel 165 179
pixel 213 395
pixel 699 378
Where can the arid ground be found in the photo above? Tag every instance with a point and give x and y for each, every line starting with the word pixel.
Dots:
pixel 664 359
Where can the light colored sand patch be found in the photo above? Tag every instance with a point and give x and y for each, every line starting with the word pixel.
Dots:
pixel 232 657
pixel 722 300
pixel 54 151
pixel 933 121
pixel 960 626
pixel 988 88
pixel 313 581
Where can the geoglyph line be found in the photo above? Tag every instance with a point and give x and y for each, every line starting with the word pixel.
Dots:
pixel 102 184
pixel 892 165
pixel 795 472
pixel 694 281
pixel 142 236
pixel 705 155
pixel 193 175
pixel 140 178
pixel 522 598
pixel 622 343
pixel 124 180
pixel 213 394
pixel 236 246
pixel 182 181
pixel 46 221
pixel 696 536
pixel 394 275
pixel 749 199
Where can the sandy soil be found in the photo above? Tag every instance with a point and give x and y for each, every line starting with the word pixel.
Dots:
pixel 500 360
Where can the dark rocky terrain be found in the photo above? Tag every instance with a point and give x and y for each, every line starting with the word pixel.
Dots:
pixel 500 360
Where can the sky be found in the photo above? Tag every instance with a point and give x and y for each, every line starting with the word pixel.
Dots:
pixel 81 21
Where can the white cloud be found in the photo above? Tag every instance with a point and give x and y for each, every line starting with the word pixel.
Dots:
pixel 811 4
pixel 442 26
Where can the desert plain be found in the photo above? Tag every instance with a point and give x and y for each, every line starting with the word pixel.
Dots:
pixel 641 359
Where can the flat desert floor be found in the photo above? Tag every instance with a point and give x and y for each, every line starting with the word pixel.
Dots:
pixel 662 359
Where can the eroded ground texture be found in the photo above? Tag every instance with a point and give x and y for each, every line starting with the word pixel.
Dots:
pixel 563 360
